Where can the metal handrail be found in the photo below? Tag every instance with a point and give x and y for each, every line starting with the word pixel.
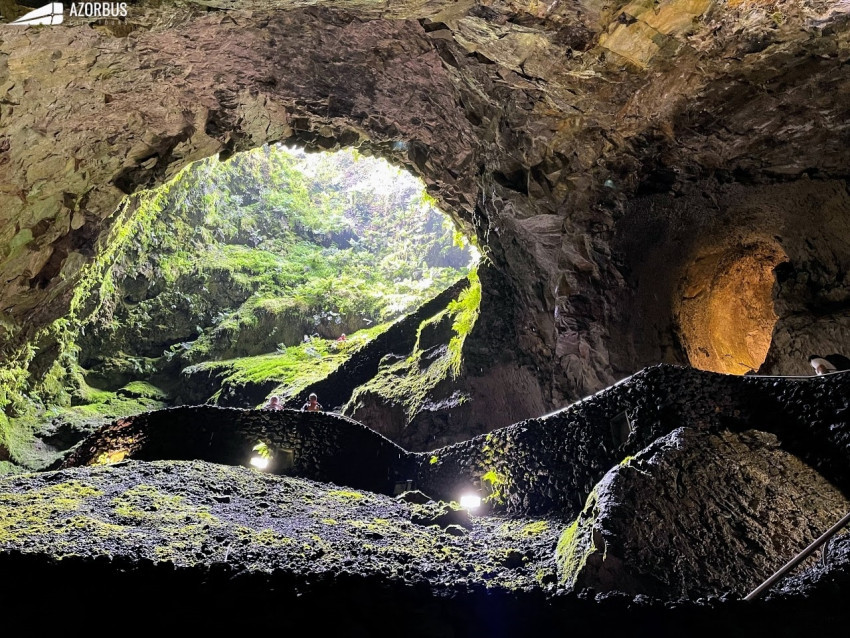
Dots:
pixel 799 558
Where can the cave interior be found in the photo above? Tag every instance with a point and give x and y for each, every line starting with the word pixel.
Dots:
pixel 658 193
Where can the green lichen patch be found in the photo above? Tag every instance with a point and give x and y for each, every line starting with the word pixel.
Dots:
pixel 196 513
pixel 534 529
pixel 45 513
pixel 576 544
pixel 345 495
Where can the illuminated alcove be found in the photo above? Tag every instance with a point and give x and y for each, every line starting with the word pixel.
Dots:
pixel 724 308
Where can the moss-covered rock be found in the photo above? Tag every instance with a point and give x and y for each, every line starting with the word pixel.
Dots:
pixel 199 514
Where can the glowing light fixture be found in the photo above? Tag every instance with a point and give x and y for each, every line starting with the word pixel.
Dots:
pixel 259 462
pixel 470 501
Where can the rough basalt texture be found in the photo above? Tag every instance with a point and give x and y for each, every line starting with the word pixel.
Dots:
pixel 197 513
pixel 552 463
pixel 316 445
pixel 540 127
pixel 217 548
pixel 731 482
pixel 539 466
pixel 696 514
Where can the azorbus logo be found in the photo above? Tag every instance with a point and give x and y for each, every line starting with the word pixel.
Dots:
pixel 54 12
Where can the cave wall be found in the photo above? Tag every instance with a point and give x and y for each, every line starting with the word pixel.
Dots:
pixel 794 236
pixel 534 125
pixel 637 464
pixel 322 447
pixel 552 463
pixel 699 514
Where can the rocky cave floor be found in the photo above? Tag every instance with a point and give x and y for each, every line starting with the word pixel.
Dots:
pixel 190 543
pixel 179 538
pixel 193 544
pixel 199 514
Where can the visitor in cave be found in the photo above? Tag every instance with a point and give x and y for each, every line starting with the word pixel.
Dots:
pixel 829 363
pixel 273 404
pixel 312 404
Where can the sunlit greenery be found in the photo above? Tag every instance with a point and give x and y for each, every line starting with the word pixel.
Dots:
pixel 293 368
pixel 229 268
pixel 410 381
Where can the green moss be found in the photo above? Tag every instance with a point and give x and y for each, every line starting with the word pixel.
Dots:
pixel 264 538
pixel 495 482
pixel 185 528
pixel 35 513
pixel 345 495
pixel 142 389
pixel 295 369
pixel 576 543
pixel 93 527
pixel 410 382
pixel 7 467
pixel 534 529
pixel 434 460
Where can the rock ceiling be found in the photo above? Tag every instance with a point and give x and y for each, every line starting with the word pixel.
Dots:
pixel 597 150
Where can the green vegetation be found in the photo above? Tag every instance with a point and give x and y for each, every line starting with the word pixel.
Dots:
pixel 263 450
pixel 26 515
pixel 495 481
pixel 171 511
pixel 576 543
pixel 534 529
pixel 185 526
pixel 409 382
pixel 345 495
pixel 224 270
pixel 295 368
pixel 140 389
pixel 494 478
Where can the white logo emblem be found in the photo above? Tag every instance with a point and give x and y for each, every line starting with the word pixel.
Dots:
pixel 52 13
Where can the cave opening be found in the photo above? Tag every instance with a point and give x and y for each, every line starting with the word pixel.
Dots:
pixel 257 276
pixel 725 308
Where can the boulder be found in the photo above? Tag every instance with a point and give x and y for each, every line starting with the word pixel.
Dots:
pixel 695 514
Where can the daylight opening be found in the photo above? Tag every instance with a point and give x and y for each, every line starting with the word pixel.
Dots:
pixel 246 282
pixel 725 310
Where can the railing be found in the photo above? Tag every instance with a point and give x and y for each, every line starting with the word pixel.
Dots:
pixel 799 558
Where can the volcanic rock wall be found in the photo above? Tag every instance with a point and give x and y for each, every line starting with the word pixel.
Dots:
pixel 552 463
pixel 534 125
pixel 319 446
pixel 697 514
pixel 729 477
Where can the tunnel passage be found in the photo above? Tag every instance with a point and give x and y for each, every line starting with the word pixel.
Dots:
pixel 724 309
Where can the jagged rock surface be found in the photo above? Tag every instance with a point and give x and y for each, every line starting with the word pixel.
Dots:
pixel 157 529
pixel 541 128
pixel 696 514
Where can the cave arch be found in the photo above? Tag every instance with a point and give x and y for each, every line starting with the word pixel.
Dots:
pixel 724 309
pixel 516 122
